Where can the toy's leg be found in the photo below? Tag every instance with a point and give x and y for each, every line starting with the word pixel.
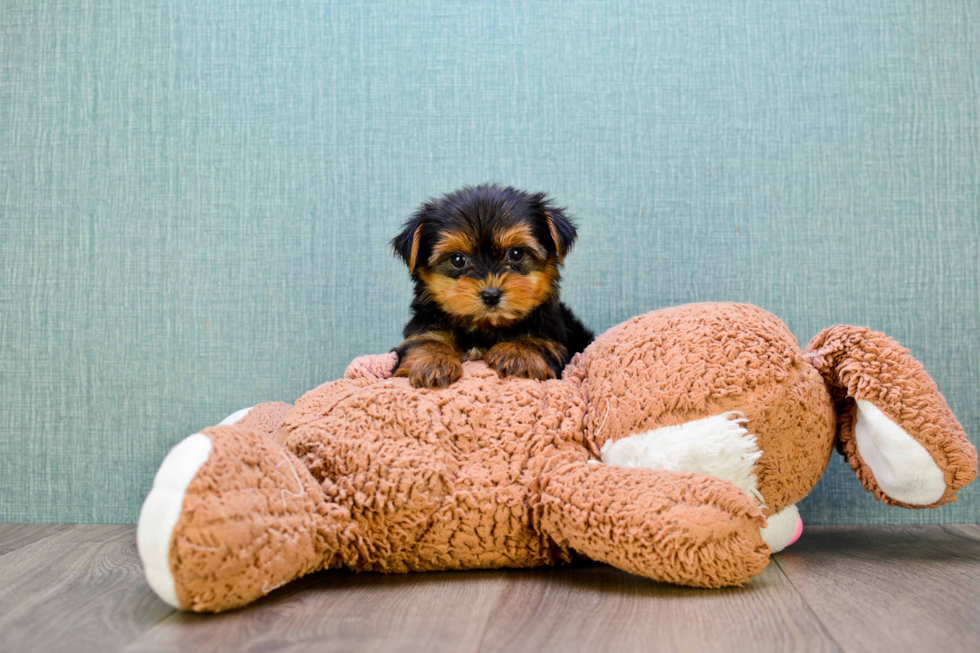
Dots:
pixel 685 528
pixel 718 446
pixel 895 429
pixel 231 516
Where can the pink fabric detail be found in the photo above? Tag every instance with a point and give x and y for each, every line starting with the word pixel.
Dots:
pixel 797 532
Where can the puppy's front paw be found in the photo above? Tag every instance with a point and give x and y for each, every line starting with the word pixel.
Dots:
pixel 519 359
pixel 435 373
pixel 430 367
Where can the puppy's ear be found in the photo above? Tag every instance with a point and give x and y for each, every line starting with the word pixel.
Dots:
pixel 406 244
pixel 562 231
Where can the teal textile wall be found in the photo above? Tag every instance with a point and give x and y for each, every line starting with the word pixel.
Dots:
pixel 196 197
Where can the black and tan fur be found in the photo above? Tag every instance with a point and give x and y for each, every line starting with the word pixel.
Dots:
pixel 485 262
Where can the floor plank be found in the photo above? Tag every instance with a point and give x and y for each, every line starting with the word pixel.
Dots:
pixel 14 536
pixel 891 588
pixel 566 609
pixel 898 588
pixel 339 611
pixel 969 531
pixel 80 589
pixel 600 608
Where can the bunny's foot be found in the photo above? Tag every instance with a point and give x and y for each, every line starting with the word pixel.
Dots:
pixel 231 516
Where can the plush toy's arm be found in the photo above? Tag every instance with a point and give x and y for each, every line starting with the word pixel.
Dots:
pixel 894 428
pixel 684 528
pixel 372 367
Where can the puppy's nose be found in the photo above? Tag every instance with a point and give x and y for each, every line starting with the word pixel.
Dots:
pixel 491 296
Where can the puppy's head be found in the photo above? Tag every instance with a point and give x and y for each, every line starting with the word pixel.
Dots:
pixel 488 255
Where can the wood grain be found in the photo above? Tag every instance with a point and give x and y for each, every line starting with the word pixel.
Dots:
pixel 600 608
pixel 566 609
pixel 14 536
pixel 895 589
pixel 81 589
pixel 339 611
pixel 969 531
pixel 891 588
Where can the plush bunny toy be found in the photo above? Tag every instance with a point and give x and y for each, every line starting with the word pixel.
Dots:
pixel 675 447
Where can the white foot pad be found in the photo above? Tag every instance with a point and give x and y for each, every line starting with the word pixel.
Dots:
pixel 784 528
pixel 161 509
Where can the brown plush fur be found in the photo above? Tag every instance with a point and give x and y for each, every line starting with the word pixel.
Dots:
pixel 370 473
pixel 672 366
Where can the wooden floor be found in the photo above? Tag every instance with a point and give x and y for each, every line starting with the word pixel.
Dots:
pixel 885 588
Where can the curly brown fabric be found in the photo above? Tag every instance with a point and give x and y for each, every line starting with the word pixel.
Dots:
pixel 265 418
pixel 435 479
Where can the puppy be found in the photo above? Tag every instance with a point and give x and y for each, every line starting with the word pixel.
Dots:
pixel 485 262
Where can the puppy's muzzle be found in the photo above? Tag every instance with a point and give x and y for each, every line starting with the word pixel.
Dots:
pixel 490 296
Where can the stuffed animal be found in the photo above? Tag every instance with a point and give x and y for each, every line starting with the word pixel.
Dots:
pixel 674 447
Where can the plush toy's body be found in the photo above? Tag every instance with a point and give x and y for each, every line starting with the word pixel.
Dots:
pixel 662 451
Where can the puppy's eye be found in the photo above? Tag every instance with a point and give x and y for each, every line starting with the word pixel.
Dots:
pixel 515 254
pixel 458 261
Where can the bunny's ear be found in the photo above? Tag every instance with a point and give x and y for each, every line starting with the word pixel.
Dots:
pixel 894 428
pixel 562 231
pixel 406 244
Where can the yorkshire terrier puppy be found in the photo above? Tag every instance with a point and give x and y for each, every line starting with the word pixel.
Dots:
pixel 485 263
